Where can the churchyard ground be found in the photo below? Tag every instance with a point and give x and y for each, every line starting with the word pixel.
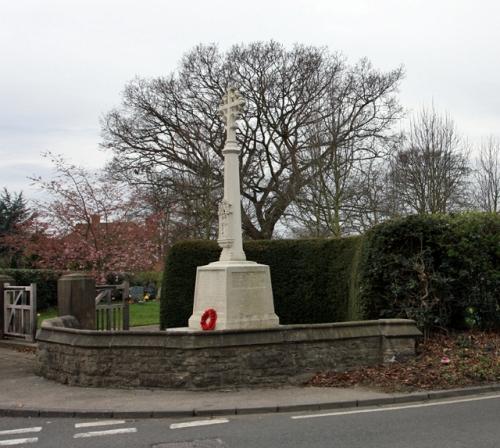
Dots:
pixel 146 313
pixel 444 361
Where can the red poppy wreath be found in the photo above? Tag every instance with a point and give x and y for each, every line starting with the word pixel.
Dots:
pixel 208 319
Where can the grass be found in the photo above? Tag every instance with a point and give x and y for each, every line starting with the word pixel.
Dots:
pixel 147 313
pixel 48 313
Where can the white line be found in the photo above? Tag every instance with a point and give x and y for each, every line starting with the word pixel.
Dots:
pixel 109 432
pixel 18 441
pixel 395 408
pixel 20 431
pixel 214 421
pixel 99 423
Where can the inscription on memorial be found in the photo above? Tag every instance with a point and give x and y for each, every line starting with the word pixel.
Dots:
pixel 248 280
pixel 213 283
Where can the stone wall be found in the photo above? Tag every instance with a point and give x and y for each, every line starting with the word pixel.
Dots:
pixel 217 359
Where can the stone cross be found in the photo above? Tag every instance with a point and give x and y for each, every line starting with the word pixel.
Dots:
pixel 238 290
pixel 231 109
pixel 230 238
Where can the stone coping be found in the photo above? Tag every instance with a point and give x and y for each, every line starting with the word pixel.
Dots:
pixel 52 332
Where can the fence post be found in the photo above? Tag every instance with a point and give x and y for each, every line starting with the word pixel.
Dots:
pixel 33 313
pixel 3 279
pixel 126 309
pixel 109 311
pixel 76 297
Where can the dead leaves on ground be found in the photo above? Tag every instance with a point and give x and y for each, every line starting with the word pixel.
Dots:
pixel 442 362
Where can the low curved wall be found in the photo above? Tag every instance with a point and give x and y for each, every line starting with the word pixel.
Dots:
pixel 218 359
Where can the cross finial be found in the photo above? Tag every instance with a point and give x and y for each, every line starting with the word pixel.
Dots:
pixel 230 110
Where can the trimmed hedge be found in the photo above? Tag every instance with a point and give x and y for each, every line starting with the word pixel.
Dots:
pixel 442 271
pixel 144 278
pixel 311 279
pixel 46 283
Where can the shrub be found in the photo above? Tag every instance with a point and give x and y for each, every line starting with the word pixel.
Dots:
pixel 46 283
pixel 474 265
pixel 434 269
pixel 441 270
pixel 311 279
pixel 179 278
pixel 144 278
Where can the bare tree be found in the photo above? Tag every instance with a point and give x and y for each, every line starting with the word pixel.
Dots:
pixel 373 201
pixel 172 123
pixel 356 131
pixel 487 177
pixel 430 172
pixel 186 212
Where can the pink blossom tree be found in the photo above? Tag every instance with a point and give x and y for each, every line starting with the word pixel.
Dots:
pixel 90 223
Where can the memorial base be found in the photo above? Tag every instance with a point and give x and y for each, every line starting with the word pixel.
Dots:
pixel 239 291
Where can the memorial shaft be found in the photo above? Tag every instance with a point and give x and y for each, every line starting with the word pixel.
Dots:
pixel 230 238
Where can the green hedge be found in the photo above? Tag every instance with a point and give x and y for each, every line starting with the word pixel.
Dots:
pixel 144 278
pixel 46 283
pixel 311 279
pixel 443 271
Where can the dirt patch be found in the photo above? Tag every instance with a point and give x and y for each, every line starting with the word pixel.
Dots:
pixel 442 362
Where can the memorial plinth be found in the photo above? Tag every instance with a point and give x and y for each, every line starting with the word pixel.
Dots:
pixel 238 290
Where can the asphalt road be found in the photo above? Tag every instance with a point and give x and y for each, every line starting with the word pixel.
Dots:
pixel 462 422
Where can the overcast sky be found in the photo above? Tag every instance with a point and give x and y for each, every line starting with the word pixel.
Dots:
pixel 64 63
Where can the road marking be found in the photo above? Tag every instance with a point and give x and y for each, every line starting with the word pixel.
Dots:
pixel 18 441
pixel 395 408
pixel 109 432
pixel 20 431
pixel 214 421
pixel 99 423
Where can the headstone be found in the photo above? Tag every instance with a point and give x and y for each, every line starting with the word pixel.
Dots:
pixel 3 279
pixel 136 292
pixel 76 295
pixel 240 291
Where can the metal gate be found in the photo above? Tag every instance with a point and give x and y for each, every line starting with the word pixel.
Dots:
pixel 20 311
pixel 112 312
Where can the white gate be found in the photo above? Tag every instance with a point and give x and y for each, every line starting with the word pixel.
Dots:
pixel 20 311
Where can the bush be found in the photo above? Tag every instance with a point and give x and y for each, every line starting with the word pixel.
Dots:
pixel 179 278
pixel 311 279
pixel 145 278
pixel 442 271
pixel 46 283
pixel 474 266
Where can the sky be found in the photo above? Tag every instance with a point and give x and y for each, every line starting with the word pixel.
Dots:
pixel 64 63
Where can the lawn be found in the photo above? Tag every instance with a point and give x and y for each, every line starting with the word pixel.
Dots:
pixel 147 313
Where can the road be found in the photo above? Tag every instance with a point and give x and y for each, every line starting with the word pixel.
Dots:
pixel 462 422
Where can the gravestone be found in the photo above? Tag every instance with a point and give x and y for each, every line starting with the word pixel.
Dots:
pixel 136 292
pixel 240 291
